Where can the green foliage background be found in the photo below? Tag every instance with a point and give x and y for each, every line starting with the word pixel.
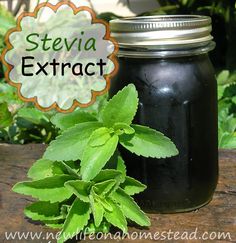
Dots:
pixel 22 123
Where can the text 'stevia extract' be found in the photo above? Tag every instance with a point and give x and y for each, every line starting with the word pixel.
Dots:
pixel 54 67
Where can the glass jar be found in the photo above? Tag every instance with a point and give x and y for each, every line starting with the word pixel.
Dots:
pixel 166 58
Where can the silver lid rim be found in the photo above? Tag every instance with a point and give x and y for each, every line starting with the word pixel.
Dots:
pixel 160 22
pixel 165 32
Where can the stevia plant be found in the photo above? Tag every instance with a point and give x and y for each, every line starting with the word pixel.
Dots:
pixel 81 181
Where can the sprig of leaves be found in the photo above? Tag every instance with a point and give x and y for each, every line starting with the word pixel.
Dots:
pixel 81 181
pixel 68 202
pixel 95 142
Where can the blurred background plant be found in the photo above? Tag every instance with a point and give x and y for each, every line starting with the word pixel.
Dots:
pixel 227 109
pixel 22 123
pixel 19 122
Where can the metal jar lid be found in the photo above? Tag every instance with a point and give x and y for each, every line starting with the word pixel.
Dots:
pixel 156 34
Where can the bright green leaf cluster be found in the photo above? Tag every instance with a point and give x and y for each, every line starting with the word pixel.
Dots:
pixel 81 181
pixel 67 202
pixel 94 142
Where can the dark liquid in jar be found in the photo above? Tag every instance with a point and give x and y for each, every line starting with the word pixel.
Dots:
pixel 178 97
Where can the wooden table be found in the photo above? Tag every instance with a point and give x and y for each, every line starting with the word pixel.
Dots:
pixel 218 216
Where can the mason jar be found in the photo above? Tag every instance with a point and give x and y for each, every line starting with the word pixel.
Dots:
pixel 166 58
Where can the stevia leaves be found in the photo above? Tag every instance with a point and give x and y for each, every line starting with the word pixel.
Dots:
pixel 129 208
pixel 65 121
pixel 76 220
pixel 50 189
pixel 43 211
pixel 148 143
pixel 40 169
pixel 71 143
pixel 121 107
pixel 132 186
pixel 95 158
pixel 80 189
pixel 116 217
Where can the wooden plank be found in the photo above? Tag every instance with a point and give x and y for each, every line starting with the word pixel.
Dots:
pixel 218 216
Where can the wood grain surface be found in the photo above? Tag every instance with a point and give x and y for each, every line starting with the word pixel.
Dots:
pixel 218 216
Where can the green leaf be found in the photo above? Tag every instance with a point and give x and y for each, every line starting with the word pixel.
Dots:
pixel 228 141
pixel 108 174
pixel 5 116
pixel 121 128
pixel 232 78
pixel 102 200
pixel 40 169
pixel 105 187
pixel 74 165
pixel 46 168
pixel 228 124
pixel 71 143
pixel 94 158
pixel 92 229
pixel 234 100
pixel 49 189
pixel 8 94
pixel 62 168
pixel 65 121
pixel 98 211
pixel 80 189
pixel 223 77
pixel 223 110
pixel 99 137
pixel 43 211
pixel 121 165
pixel 132 186
pixel 116 217
pixel 54 225
pixel 148 142
pixel 230 90
pixel 130 209
pixel 221 90
pixel 116 162
pixel 33 115
pixel 122 107
pixel 76 220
